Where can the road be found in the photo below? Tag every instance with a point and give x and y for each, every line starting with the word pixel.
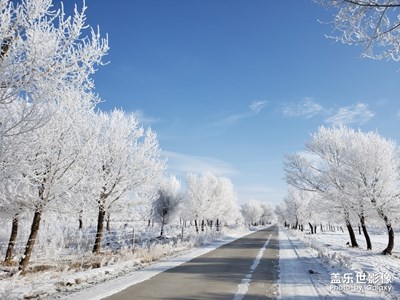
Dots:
pixel 244 269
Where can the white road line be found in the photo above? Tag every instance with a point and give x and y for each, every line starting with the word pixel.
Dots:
pixel 244 285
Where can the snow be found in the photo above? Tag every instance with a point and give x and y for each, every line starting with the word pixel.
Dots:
pixel 307 266
pixel 308 263
pixel 112 276
pixel 113 286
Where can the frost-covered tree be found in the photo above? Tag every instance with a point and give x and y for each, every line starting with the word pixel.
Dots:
pixel 356 171
pixel 167 204
pixel 44 56
pixel 47 165
pixel 320 169
pixel 43 52
pixel 125 158
pixel 296 202
pixel 301 207
pixel 280 212
pixel 226 207
pixel 210 198
pixel 372 169
pixel 251 212
pixel 267 215
pixel 373 24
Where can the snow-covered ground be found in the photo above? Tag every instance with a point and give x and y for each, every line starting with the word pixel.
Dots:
pixel 309 267
pixel 115 273
pixel 322 266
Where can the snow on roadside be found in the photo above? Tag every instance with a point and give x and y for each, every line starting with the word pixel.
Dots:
pixel 309 264
pixel 113 286
pixel 112 277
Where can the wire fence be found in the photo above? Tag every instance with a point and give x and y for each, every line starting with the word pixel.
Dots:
pixel 59 241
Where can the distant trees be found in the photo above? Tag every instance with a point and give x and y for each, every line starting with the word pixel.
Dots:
pixel 352 173
pixel 374 24
pixel 61 157
pixel 56 152
pixel 255 212
pixel 210 198
pixel 168 203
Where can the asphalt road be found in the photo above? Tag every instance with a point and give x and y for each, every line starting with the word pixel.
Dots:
pixel 244 269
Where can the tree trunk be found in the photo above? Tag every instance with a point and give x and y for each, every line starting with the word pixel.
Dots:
pixel 108 222
pixel 217 225
pixel 80 220
pixel 390 245
pixel 133 238
pixel 100 226
pixel 353 240
pixel 31 241
pixel 311 228
pixel 315 229
pixel 11 242
pixel 162 227
pixel 365 232
pixel 202 225
pixel 197 227
pixel 389 227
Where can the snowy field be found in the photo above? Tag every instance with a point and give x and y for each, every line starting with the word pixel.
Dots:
pixel 311 266
pixel 308 266
pixel 59 273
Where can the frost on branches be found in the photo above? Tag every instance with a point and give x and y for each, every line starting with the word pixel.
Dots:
pixel 43 54
pixel 373 24
pixel 210 198
pixel 168 202
pixel 256 213
pixel 354 175
pixel 125 158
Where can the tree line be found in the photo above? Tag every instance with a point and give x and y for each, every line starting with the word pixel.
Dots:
pixel 344 175
pixel 60 155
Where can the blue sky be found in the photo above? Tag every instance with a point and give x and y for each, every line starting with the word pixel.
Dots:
pixel 231 86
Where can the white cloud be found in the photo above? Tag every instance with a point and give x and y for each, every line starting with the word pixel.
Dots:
pixel 258 105
pixel 181 164
pixel 146 120
pixel 354 114
pixel 230 120
pixel 306 108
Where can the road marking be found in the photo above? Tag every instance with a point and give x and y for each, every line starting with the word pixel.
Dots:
pixel 244 285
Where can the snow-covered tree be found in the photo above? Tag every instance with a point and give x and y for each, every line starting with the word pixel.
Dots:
pixel 372 168
pixel 320 169
pixel 356 171
pixel 43 52
pixel 167 204
pixel 125 158
pixel 210 198
pixel 280 212
pixel 47 165
pixel 251 212
pixel 296 202
pixel 226 207
pixel 267 215
pixel 46 60
pixel 373 24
